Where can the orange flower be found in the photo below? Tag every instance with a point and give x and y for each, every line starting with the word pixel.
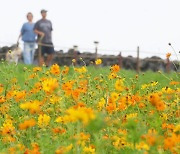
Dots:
pixel 141 105
pixel 1 88
pixel 67 87
pixel 19 95
pixel 168 55
pixel 7 128
pixel 8 138
pixel 2 99
pixel 115 68
pixel 55 69
pixel 37 69
pixel 66 70
pixel 170 142
pixel 111 105
pixel 35 149
pixel 154 98
pixel 26 124
pixel 160 106
pixel 58 131
pixel 174 83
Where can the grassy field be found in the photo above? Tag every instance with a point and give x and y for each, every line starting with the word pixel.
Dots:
pixel 88 110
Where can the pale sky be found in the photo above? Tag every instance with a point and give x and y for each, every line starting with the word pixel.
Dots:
pixel 119 25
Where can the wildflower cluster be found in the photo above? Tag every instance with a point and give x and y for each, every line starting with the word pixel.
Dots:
pixel 79 110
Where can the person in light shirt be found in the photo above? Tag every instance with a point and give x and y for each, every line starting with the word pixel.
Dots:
pixel 29 38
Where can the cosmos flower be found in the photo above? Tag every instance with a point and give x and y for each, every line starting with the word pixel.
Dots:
pixel 98 61
pixel 168 55
pixel 37 69
pixel 50 84
pixel 115 68
pixel 2 99
pixel 119 85
pixel 33 106
pixel 89 150
pixel 1 88
pixel 55 69
pixel 43 120
pixel 27 124
pixel 83 69
pixel 7 127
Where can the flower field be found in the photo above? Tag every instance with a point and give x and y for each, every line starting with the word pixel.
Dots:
pixel 88 110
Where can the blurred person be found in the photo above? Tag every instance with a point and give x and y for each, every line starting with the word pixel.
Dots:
pixel 43 28
pixel 29 39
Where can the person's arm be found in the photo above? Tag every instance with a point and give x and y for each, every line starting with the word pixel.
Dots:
pixel 20 35
pixel 39 32
pixel 51 26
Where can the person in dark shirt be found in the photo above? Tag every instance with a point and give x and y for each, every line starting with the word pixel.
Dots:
pixel 43 28
pixel 29 39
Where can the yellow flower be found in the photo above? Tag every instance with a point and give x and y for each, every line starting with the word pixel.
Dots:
pixel 74 114
pixel 154 83
pixel 142 146
pixel 168 90
pixel 114 96
pixel 177 128
pixel 37 69
pixel 98 61
pixel 119 85
pixel 64 149
pixel 43 120
pixel 81 70
pixel 55 99
pixel 33 106
pixel 164 116
pixel 131 115
pixel 101 104
pixel 50 84
pixel 59 119
pixel 144 86
pixel 112 75
pixel 118 142
pixel 89 150
pixel 13 80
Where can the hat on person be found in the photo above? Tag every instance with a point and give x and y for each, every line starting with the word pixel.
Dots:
pixel 43 10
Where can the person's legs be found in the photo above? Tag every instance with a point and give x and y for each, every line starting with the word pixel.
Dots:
pixel 50 53
pixel 26 53
pixel 41 61
pixel 32 52
pixel 49 59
